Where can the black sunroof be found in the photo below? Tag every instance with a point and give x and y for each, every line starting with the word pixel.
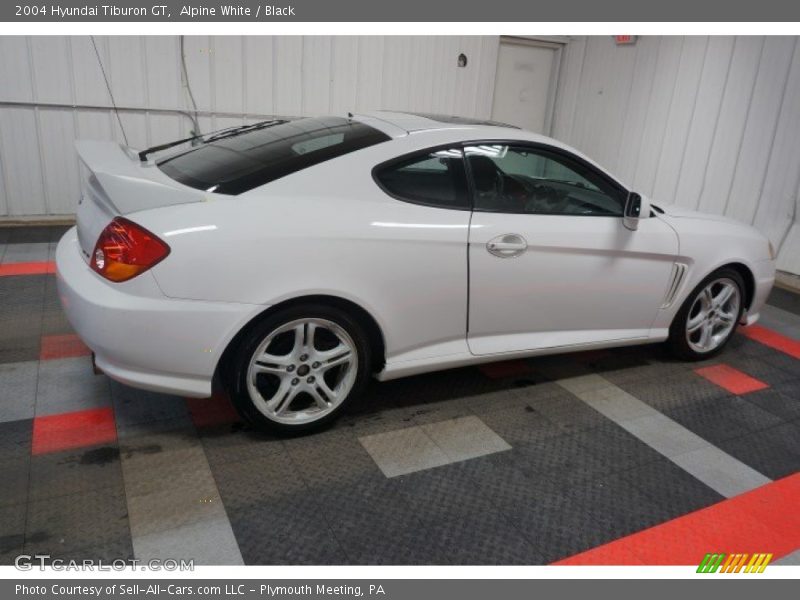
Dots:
pixel 236 162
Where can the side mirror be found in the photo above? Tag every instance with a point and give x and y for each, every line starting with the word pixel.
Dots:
pixel 633 211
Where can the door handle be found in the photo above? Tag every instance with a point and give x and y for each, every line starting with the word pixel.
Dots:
pixel 507 245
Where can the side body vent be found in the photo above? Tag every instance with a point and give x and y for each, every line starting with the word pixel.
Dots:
pixel 675 281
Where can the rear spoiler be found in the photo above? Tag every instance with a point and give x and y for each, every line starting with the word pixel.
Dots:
pixel 128 184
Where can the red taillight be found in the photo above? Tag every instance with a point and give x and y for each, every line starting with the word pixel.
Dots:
pixel 125 249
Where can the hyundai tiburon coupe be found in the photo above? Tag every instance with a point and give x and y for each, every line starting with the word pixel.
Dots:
pixel 294 259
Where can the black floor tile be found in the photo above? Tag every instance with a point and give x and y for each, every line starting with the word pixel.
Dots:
pixel 15 440
pixel 781 401
pixel 773 369
pixel 290 529
pixel 34 234
pixel 775 452
pixel 14 475
pixel 87 520
pixel 670 486
pixel 617 449
pixel 723 418
pixel 54 476
pixel 785 299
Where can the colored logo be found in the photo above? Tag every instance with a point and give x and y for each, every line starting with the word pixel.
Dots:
pixel 734 563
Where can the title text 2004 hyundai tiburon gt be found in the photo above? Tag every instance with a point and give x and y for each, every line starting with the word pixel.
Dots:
pixel 295 259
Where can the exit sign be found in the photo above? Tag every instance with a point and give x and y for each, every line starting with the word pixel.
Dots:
pixel 625 39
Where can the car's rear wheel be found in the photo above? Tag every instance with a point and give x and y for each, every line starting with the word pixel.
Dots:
pixel 709 316
pixel 296 370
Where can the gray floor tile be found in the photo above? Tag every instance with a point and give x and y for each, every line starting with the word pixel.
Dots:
pixel 720 471
pixel 464 438
pixel 404 451
pixel 31 252
pixel 206 542
pixel 792 559
pixel 68 385
pixel 169 487
pixel 17 390
pixel 664 435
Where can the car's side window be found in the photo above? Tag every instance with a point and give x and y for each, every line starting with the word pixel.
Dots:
pixel 533 180
pixel 436 178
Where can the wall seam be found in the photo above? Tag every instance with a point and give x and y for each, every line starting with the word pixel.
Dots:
pixel 775 133
pixel 577 90
pixel 636 60
pixel 667 118
pixel 635 171
pixel 691 119
pixel 212 82
pixel 75 120
pixel 244 106
pixel 148 122
pixel 746 119
pixel 716 124
pixel 273 86
pixel 38 128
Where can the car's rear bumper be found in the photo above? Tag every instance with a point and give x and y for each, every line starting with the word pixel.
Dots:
pixel 139 336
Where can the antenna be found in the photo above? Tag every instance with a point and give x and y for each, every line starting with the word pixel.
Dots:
pixel 108 87
pixel 188 87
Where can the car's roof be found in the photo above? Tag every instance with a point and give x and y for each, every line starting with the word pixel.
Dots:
pixel 399 124
pixel 414 121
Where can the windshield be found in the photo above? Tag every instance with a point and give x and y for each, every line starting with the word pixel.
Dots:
pixel 240 161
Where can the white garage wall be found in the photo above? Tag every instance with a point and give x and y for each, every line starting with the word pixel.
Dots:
pixel 709 123
pixel 233 80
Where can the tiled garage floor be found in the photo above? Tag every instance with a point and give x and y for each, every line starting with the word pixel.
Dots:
pixel 616 457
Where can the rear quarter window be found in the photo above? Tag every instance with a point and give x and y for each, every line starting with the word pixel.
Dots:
pixel 240 162
pixel 435 178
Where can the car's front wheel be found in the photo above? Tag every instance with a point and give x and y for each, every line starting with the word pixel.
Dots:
pixel 709 316
pixel 297 369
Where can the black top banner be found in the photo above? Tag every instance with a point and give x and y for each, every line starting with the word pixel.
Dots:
pixel 403 11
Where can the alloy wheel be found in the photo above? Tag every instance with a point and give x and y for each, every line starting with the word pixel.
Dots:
pixel 302 371
pixel 713 315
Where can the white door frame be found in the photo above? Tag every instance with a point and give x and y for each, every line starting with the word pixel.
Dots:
pixel 555 44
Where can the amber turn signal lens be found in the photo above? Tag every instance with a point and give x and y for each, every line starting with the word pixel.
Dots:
pixel 125 249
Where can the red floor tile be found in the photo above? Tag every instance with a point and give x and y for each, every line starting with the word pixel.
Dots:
pixel 73 430
pixel 762 520
pixel 62 346
pixel 773 339
pixel 731 379
pixel 509 368
pixel 216 410
pixel 27 268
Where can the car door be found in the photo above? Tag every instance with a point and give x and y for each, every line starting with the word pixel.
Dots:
pixel 415 255
pixel 550 262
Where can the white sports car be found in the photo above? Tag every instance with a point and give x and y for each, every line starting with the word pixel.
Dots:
pixel 295 259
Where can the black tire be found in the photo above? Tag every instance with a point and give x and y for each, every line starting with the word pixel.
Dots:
pixel 236 373
pixel 678 342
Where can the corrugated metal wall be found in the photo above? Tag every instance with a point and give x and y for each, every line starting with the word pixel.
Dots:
pixel 232 79
pixel 709 123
